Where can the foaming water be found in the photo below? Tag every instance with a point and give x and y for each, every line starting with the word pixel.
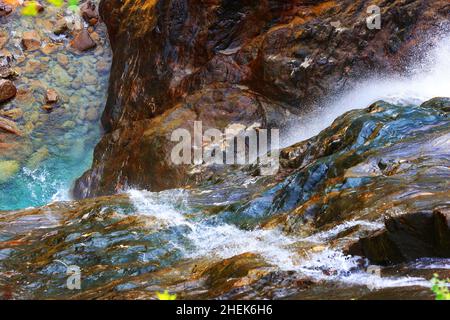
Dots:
pixel 208 238
pixel 217 239
pixel 333 265
pixel 426 79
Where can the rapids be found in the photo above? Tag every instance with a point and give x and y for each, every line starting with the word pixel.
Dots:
pixel 139 242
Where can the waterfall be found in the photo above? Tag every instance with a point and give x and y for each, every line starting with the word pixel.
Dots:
pixel 425 79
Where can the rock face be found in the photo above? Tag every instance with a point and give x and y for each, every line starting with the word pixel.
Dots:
pixel 383 162
pixel 268 55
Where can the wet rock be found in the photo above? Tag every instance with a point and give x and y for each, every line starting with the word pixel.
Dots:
pixel 408 237
pixel 4 37
pixel 5 8
pixel 48 108
pixel 102 66
pixel 89 12
pixel 92 114
pixel 13 114
pixel 37 158
pixel 8 169
pixel 7 90
pixel 31 40
pixel 51 96
pixel 60 27
pixel 149 140
pixel 63 59
pixel 230 272
pixel 438 103
pixel 83 41
pixel 7 73
pixel 281 58
pixel 50 48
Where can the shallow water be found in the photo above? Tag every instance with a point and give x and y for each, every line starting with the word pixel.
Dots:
pixel 60 144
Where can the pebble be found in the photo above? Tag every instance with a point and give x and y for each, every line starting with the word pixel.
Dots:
pixel 7 90
pixel 83 41
pixel 31 40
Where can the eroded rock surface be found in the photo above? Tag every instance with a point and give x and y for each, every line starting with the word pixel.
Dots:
pixel 288 54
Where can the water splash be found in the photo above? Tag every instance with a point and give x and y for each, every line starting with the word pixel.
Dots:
pixel 425 80
pixel 222 240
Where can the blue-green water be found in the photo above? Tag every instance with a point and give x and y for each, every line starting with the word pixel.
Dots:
pixel 57 147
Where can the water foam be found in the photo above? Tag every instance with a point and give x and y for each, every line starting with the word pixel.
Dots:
pixel 425 80
pixel 224 241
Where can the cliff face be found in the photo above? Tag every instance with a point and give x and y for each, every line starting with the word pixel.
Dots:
pixel 249 62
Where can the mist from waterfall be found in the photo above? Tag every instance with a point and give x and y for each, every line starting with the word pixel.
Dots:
pixel 425 80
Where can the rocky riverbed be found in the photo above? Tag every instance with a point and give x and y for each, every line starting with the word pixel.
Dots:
pixel 358 210
pixel 54 70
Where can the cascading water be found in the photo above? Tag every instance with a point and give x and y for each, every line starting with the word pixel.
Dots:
pixel 208 237
pixel 139 233
pixel 425 80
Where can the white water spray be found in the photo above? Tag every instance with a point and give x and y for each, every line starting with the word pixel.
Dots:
pixel 427 79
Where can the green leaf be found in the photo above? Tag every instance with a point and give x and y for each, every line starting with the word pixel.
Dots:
pixel 440 288
pixel 166 296
pixel 30 10
pixel 56 3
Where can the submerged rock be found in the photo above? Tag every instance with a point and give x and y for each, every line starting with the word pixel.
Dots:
pixel 51 96
pixel 7 170
pixel 7 90
pixel 83 41
pixel 31 40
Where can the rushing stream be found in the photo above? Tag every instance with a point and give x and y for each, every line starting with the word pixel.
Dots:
pixel 139 242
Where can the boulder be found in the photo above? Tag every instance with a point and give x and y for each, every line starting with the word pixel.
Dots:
pixel 7 90
pixel 408 237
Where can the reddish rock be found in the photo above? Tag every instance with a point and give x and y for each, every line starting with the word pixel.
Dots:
pixel 89 12
pixel 31 40
pixel 7 90
pixel 9 126
pixel 51 96
pixel 83 41
pixel 288 54
pixel 37 4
